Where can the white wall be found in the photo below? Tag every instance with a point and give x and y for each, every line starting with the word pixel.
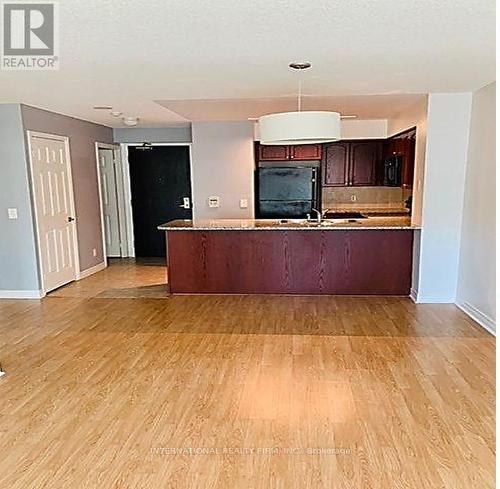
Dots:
pixel 476 283
pixel 414 116
pixel 448 125
pixel 222 156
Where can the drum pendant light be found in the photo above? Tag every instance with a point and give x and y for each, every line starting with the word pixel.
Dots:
pixel 300 127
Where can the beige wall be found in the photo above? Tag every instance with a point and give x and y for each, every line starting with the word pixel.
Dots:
pixel 476 283
pixel 363 128
pixel 392 196
pixel 415 115
pixel 222 159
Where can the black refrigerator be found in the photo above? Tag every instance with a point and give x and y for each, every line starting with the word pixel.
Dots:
pixel 286 192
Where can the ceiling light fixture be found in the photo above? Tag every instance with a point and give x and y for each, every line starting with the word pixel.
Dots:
pixel 130 121
pixel 116 113
pixel 102 107
pixel 300 127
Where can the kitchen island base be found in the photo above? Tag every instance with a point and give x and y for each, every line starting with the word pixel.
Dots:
pixel 347 262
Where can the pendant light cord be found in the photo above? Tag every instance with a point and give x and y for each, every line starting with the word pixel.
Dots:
pixel 299 67
pixel 299 101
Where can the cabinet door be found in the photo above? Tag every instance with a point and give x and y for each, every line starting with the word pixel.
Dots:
pixel 305 152
pixel 405 147
pixel 408 167
pixel 336 165
pixel 365 159
pixel 270 153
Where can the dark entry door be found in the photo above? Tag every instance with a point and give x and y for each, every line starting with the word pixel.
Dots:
pixel 160 182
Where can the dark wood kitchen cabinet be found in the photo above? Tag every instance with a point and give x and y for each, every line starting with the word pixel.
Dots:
pixel 305 152
pixel 352 163
pixel 273 261
pixel 403 145
pixel 336 164
pixel 302 152
pixel 273 153
pixel 365 160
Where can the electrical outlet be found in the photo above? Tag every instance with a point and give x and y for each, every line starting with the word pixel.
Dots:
pixel 12 212
pixel 353 198
pixel 94 252
pixel 243 203
pixel 213 201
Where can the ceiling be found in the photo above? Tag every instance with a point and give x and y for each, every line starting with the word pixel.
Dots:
pixel 186 53
pixel 362 106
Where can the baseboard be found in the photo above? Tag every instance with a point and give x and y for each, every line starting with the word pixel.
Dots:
pixel 482 319
pixel 90 271
pixel 21 294
pixel 414 295
pixel 422 299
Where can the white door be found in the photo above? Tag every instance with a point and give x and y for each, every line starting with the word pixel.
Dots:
pixel 109 198
pixel 54 207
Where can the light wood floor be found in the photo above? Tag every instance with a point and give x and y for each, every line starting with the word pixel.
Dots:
pixel 109 392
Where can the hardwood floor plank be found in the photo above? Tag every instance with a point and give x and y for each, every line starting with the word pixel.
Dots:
pixel 106 381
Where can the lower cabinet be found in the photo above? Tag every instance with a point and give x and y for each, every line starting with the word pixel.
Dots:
pixel 350 262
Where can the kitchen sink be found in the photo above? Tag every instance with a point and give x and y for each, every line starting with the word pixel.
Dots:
pixel 344 215
pixel 323 223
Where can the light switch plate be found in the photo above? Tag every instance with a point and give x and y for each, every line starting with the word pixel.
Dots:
pixel 12 212
pixel 243 203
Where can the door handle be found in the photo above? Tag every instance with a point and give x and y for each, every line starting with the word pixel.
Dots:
pixel 71 219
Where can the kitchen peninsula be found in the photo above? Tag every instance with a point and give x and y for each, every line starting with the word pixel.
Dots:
pixel 265 256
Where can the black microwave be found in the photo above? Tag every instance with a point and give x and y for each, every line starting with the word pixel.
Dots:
pixel 392 171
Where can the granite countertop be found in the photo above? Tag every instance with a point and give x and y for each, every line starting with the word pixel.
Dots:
pixel 398 222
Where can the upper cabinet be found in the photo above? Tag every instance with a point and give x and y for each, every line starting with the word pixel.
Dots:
pixel 366 158
pixel 403 145
pixel 282 153
pixel 305 152
pixel 336 164
pixel 352 163
pixel 273 153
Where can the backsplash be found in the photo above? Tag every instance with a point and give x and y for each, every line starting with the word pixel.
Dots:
pixel 363 195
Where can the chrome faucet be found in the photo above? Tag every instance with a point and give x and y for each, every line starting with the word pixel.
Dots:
pixel 319 216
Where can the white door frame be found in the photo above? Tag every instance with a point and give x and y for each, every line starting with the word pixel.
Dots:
pixel 76 256
pixel 127 192
pixel 119 195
